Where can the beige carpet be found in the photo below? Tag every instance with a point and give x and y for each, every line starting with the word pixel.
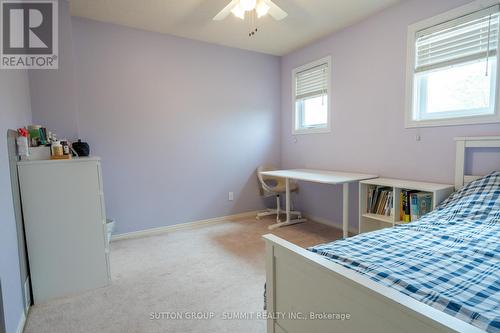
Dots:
pixel 217 269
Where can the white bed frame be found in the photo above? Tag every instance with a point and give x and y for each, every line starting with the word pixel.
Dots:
pixel 470 142
pixel 300 282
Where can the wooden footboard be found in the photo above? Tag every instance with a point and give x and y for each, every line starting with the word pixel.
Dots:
pixel 308 293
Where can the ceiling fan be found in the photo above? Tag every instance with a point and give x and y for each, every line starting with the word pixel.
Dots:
pixel 261 7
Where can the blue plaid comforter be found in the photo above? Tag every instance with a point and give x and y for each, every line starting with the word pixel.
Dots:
pixel 449 259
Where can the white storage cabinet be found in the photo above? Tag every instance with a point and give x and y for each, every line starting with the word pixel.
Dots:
pixel 65 223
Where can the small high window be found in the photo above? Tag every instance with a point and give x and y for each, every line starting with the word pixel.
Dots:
pixel 311 92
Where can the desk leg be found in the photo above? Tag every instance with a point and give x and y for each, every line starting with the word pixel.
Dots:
pixel 287 202
pixel 345 210
pixel 289 220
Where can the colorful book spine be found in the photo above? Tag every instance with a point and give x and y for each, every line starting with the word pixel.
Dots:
pixel 412 204
pixel 401 206
pixel 414 207
pixel 388 206
pixel 425 203
pixel 370 199
pixel 379 200
pixel 406 207
pixel 375 200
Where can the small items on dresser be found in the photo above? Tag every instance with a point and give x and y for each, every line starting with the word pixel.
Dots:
pixel 60 150
pixel 65 145
pixel 57 149
pixel 22 142
pixel 81 148
pixel 35 142
pixel 37 135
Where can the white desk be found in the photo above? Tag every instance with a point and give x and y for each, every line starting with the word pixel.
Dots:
pixel 323 177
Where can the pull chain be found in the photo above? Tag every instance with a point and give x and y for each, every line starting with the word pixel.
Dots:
pixel 252 24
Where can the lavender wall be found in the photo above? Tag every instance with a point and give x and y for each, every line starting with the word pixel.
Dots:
pixel 15 112
pixel 181 123
pixel 54 92
pixel 178 123
pixel 368 96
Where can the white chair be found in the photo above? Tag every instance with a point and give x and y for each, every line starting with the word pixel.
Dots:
pixel 274 186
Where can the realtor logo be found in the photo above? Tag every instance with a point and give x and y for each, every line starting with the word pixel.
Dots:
pixel 29 34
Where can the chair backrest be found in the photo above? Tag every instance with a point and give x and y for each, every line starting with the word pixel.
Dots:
pixel 266 182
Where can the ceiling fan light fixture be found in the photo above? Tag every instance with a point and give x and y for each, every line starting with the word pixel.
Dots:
pixel 256 9
pixel 262 9
pixel 248 5
pixel 238 12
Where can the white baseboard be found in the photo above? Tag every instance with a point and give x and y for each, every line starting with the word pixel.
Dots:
pixel 183 226
pixel 22 322
pixel 329 223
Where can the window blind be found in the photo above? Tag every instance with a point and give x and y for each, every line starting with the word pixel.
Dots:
pixel 467 38
pixel 312 82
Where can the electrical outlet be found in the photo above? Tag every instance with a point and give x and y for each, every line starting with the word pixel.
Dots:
pixel 230 196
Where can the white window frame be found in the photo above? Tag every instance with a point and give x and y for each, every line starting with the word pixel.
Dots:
pixel 328 127
pixel 410 71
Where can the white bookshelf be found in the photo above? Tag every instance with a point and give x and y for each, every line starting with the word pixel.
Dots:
pixel 370 222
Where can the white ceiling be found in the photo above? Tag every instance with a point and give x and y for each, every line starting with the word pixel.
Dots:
pixel 307 20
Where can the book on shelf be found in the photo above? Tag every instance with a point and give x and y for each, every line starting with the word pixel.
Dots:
pixel 379 200
pixel 389 204
pixel 413 205
pixel 404 206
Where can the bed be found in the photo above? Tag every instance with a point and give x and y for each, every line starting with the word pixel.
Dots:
pixel 440 274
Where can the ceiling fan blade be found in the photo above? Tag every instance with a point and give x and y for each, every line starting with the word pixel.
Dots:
pixel 276 12
pixel 226 11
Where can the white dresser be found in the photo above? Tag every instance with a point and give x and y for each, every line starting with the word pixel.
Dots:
pixel 65 224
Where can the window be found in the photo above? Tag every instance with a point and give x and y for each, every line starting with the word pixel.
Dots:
pixel 311 98
pixel 452 73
